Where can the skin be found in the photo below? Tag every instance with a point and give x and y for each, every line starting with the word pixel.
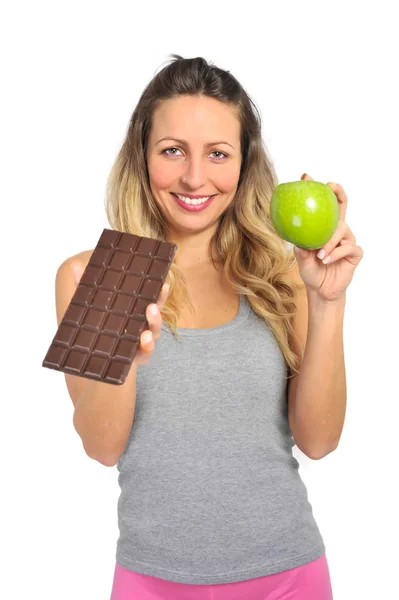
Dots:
pixel 208 170
pixel 315 414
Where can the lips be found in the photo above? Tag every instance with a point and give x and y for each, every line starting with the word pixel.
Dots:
pixel 192 207
pixel 194 196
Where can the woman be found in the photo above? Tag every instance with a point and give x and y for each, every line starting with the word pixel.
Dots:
pixel 227 378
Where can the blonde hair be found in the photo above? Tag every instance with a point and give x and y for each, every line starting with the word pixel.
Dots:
pixel 255 259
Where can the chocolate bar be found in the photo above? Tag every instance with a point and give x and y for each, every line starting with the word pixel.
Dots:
pixel 99 334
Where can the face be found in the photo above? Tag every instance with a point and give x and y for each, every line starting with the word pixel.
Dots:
pixel 202 146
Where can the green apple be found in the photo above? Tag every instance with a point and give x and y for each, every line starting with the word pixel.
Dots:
pixel 304 213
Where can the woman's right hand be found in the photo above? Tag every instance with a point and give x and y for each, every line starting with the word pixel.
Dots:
pixel 149 336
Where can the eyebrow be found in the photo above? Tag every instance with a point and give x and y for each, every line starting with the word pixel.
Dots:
pixel 185 143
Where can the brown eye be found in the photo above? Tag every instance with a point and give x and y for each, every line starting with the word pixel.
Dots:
pixel 218 152
pixel 167 150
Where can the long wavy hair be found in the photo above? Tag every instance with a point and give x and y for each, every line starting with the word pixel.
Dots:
pixel 254 258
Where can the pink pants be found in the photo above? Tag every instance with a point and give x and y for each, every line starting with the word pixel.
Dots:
pixel 307 582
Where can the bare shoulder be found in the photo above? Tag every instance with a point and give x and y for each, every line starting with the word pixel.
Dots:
pixel 65 287
pixel 82 258
pixel 64 280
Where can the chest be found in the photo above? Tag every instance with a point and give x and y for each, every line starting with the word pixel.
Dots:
pixel 216 379
pixel 215 303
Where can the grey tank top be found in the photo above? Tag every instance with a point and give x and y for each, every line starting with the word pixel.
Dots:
pixel 210 489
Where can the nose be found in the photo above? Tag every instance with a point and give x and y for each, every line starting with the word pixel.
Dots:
pixel 195 175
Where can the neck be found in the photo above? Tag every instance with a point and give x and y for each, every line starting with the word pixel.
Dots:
pixel 193 250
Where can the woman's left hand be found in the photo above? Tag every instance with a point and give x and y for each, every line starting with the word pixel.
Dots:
pixel 330 279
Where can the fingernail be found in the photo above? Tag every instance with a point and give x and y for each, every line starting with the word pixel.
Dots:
pixel 153 309
pixel 147 337
pixel 321 254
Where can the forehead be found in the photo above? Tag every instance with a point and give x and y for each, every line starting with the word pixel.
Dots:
pixel 192 118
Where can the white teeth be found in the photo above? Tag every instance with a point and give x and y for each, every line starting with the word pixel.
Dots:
pixel 191 201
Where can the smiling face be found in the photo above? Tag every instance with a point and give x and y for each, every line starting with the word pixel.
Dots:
pixel 196 139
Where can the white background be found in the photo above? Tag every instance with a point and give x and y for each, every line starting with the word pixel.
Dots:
pixel 323 75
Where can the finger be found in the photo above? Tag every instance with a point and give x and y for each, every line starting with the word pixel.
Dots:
pixel 154 319
pixel 147 341
pixel 149 336
pixel 343 235
pixel 142 357
pixel 350 252
pixel 341 197
pixel 153 312
pixel 163 296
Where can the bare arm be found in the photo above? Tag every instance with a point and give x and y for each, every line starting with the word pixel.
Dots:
pixel 103 417
pixel 317 396
pixel 103 413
